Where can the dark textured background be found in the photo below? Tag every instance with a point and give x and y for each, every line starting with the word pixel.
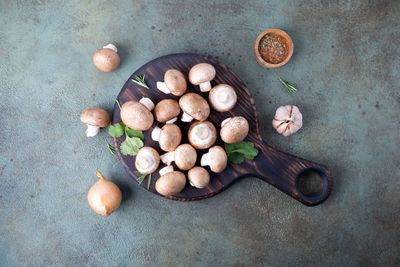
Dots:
pixel 346 65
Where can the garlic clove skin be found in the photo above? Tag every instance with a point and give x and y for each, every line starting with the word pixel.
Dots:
pixel 288 120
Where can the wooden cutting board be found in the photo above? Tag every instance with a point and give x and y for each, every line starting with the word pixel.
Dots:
pixel 277 168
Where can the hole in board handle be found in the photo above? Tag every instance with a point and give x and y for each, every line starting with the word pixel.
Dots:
pixel 311 182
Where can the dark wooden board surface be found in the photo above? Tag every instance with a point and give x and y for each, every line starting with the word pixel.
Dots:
pixel 280 169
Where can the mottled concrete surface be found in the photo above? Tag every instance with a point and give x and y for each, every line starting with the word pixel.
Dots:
pixel 346 65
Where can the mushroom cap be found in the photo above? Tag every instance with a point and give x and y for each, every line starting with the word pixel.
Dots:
pixel 202 134
pixel 166 109
pixel 218 159
pixel 147 160
pixel 185 157
pixel 201 73
pixel 195 105
pixel 222 97
pixel 95 117
pixel 175 82
pixel 106 59
pixel 171 183
pixel 136 116
pixel 199 177
pixel 170 137
pixel 234 130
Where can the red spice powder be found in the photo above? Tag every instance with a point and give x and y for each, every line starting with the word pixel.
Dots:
pixel 273 48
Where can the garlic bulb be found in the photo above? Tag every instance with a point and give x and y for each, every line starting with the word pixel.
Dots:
pixel 288 120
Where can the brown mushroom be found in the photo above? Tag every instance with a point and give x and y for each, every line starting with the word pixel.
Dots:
pixel 234 129
pixel 198 177
pixel 201 74
pixel 222 97
pixel 95 118
pixel 174 83
pixel 147 160
pixel 194 107
pixel 167 110
pixel 202 134
pixel 216 158
pixel 136 116
pixel 169 136
pixel 170 183
pixel 106 59
pixel 184 156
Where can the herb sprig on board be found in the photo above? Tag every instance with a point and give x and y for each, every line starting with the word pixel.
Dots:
pixel 133 139
pixel 139 79
pixel 141 178
pixel 239 151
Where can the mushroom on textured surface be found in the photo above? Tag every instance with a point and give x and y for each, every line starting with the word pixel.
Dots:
pixel 136 116
pixel 167 111
pixel 234 129
pixel 199 177
pixel 147 160
pixel 168 137
pixel 222 97
pixel 170 182
pixel 106 59
pixel 201 74
pixel 216 158
pixel 194 106
pixel 95 118
pixel 184 156
pixel 174 83
pixel 288 120
pixel 202 134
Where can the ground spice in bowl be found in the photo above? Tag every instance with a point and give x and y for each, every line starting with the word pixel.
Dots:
pixel 273 48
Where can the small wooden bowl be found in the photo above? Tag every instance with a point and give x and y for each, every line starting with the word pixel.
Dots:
pixel 257 51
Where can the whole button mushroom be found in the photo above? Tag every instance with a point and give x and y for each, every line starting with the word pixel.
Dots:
pixel 170 182
pixel 199 177
pixel 202 134
pixel 201 74
pixel 184 156
pixel 136 116
pixel 194 107
pixel 167 111
pixel 106 59
pixel 216 158
pixel 147 160
pixel 288 120
pixel 94 118
pixel 169 137
pixel 234 129
pixel 222 97
pixel 174 83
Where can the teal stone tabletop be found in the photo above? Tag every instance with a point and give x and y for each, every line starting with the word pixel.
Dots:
pixel 346 67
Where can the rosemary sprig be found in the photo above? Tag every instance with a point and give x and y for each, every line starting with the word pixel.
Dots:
pixel 111 149
pixel 149 182
pixel 290 87
pixel 119 104
pixel 141 178
pixel 139 79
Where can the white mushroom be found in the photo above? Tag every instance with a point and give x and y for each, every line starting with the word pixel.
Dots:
pixel 288 120
pixel 95 118
pixel 201 74
pixel 136 116
pixel 234 129
pixel 198 177
pixel 174 83
pixel 202 134
pixel 216 158
pixel 106 59
pixel 167 110
pixel 194 107
pixel 222 97
pixel 169 136
pixel 147 160
pixel 184 156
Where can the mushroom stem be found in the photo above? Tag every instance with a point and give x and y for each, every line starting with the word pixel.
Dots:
pixel 171 120
pixel 112 47
pixel 186 117
pixel 205 159
pixel 163 87
pixel 166 170
pixel 205 87
pixel 155 134
pixel 168 157
pixel 92 130
pixel 147 102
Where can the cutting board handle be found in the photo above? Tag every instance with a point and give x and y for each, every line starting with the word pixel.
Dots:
pixel 283 171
